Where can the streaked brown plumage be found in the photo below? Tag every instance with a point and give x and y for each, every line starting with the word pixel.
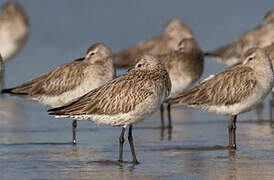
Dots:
pixel 185 67
pixel 70 81
pixel 175 30
pixel 261 36
pixel 98 69
pixel 125 100
pixel 221 89
pixel 14 29
pixel 234 91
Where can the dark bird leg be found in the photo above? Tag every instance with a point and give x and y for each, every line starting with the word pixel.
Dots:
pixel 232 132
pixel 130 140
pixel 2 74
pixel 271 104
pixel 121 144
pixel 74 126
pixel 259 111
pixel 169 116
pixel 162 134
pixel 162 116
pixel 170 134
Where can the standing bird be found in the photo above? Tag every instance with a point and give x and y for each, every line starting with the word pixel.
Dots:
pixel 14 29
pixel 185 67
pixel 261 36
pixel 175 30
pixel 234 91
pixel 125 100
pixel 70 81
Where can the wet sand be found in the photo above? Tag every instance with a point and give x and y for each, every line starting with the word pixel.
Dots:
pixel 35 145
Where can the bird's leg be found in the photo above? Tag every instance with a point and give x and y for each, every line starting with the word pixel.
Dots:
pixel 74 126
pixel 2 75
pixel 232 132
pixel 169 134
pixel 130 140
pixel 162 109
pixel 259 111
pixel 271 104
pixel 162 133
pixel 272 99
pixel 169 117
pixel 121 143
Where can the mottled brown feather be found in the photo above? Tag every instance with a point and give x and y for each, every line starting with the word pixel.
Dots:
pixel 226 88
pixel 120 95
pixel 55 82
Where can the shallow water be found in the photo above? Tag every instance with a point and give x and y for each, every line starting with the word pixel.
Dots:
pixel 34 145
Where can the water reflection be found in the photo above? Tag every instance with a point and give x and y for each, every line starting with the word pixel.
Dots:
pixel 11 109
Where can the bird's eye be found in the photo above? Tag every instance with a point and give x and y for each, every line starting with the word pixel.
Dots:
pixel 139 65
pixel 92 53
pixel 250 58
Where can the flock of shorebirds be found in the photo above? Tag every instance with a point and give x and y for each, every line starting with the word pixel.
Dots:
pixel 161 72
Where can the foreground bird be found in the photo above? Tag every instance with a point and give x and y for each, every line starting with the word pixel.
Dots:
pixel 70 81
pixel 125 100
pixel 14 29
pixel 234 91
pixel 175 30
pixel 185 67
pixel 261 36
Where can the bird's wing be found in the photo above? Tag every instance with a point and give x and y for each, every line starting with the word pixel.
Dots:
pixel 226 88
pixel 120 95
pixel 58 81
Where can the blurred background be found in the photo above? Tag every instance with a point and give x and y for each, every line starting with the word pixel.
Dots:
pixel 61 31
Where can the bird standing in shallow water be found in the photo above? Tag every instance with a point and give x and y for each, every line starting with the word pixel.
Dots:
pixel 70 81
pixel 234 91
pixel 175 30
pixel 185 67
pixel 125 100
pixel 261 36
